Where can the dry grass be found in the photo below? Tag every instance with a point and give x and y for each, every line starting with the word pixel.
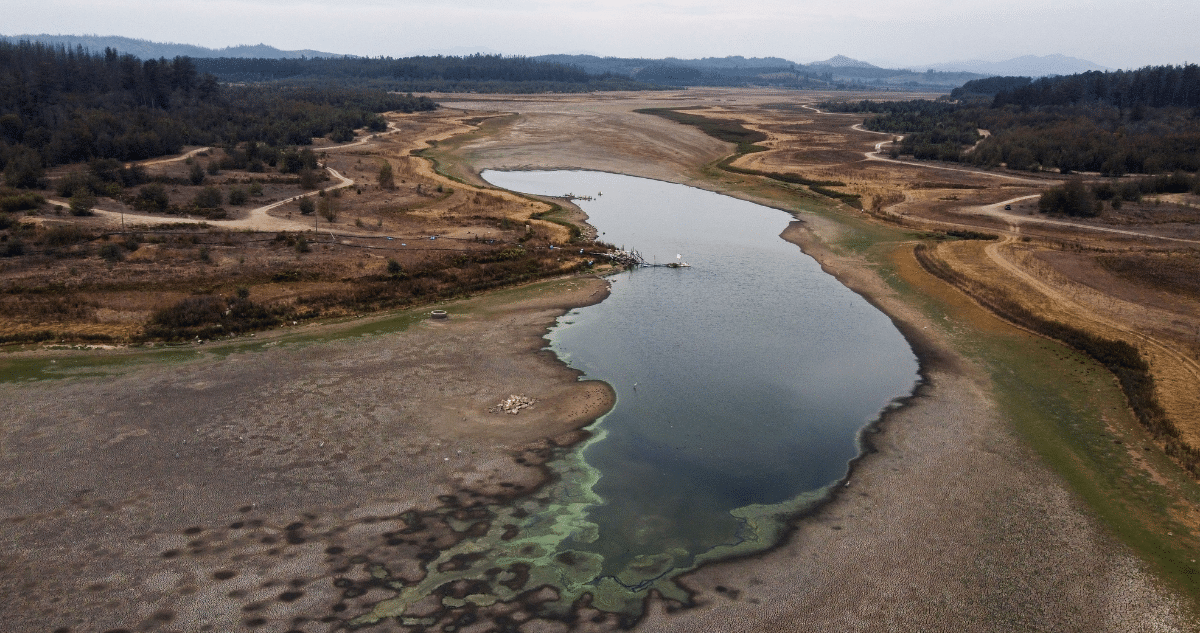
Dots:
pixel 77 278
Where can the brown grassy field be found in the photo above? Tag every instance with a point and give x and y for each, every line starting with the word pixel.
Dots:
pixel 102 278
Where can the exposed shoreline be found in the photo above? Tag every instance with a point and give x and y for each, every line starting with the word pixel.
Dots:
pixel 952 523
pixel 194 486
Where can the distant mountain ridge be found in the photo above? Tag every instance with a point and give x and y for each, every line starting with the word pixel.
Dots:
pixel 146 49
pixel 837 72
pixel 841 61
pixel 1024 66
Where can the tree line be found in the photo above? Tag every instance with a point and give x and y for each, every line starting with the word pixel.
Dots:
pixel 478 73
pixel 60 105
pixel 1153 87
pixel 1079 199
pixel 1143 122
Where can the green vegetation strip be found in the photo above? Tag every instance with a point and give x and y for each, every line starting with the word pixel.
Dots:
pixel 746 139
pixel 1073 414
pixel 78 361
pixel 1120 358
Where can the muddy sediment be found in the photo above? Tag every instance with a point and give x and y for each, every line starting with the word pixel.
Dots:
pixel 281 488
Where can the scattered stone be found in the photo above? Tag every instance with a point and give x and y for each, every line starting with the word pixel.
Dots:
pixel 513 404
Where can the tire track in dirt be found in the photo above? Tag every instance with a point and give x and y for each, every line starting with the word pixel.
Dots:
pixel 1084 313
pixel 257 219
pixel 1014 221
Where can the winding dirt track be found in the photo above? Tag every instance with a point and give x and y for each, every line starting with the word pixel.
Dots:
pixel 974 172
pixel 1014 220
pixel 995 253
pixel 257 219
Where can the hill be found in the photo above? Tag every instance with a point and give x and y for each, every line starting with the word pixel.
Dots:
pixel 145 49
pixel 1027 66
pixel 838 72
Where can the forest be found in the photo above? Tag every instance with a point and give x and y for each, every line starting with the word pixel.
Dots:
pixel 473 73
pixel 1124 122
pixel 60 106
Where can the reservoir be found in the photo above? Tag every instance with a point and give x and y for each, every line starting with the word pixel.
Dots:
pixel 743 384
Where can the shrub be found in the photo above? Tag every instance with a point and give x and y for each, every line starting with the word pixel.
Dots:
pixel 387 179
pixel 152 197
pixel 1072 198
pixel 82 203
pixel 12 248
pixel 208 198
pixel 208 316
pixel 394 269
pixel 327 207
pixel 20 202
pixel 306 206
pixel 77 182
pixel 24 169
pixel 238 196
pixel 309 179
pixel 196 175
pixel 111 252
pixel 66 235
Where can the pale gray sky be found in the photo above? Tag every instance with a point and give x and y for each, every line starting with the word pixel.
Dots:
pixel 1115 33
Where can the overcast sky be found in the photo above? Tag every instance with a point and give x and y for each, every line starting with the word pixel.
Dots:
pixel 1114 33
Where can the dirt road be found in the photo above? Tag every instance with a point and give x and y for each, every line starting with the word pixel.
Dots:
pixel 257 219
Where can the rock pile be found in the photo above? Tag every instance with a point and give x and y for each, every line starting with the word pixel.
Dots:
pixel 513 404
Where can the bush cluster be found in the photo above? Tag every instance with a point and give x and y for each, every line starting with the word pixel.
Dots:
pixel 208 316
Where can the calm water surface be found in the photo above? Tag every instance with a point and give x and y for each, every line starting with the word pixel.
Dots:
pixel 742 382
pixel 742 385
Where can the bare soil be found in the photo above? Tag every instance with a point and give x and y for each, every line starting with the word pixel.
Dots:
pixel 236 485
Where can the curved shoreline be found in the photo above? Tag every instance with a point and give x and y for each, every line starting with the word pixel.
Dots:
pixel 937 501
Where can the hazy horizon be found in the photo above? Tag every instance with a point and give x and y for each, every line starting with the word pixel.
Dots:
pixel 916 33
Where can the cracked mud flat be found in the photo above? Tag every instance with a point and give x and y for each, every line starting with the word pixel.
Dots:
pixel 268 490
